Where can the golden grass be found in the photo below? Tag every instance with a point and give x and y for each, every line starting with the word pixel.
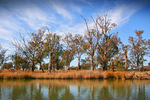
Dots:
pixel 73 74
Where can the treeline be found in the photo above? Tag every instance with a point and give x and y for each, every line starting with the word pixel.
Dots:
pixel 103 47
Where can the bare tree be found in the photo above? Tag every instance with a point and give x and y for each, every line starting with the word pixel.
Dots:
pixel 101 39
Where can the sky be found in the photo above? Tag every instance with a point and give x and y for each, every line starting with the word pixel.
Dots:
pixel 64 16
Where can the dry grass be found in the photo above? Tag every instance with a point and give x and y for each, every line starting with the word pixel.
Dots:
pixel 73 74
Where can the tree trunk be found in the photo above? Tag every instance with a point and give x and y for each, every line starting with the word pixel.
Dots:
pixel 113 68
pixel 126 62
pixel 23 68
pixel 104 66
pixel 33 65
pixel 137 62
pixel 68 67
pixel 92 64
pixel 79 67
pixel 50 63
pixel 41 67
pixel 57 66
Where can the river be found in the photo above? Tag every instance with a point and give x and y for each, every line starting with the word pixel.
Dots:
pixel 75 90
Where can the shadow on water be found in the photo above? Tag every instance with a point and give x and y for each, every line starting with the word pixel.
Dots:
pixel 75 90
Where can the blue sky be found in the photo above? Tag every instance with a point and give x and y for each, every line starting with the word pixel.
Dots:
pixel 63 16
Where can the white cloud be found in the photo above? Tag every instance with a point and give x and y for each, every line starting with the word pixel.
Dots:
pixel 34 17
pixel 122 13
pixel 5 34
pixel 62 11
pixel 76 8
pixel 86 2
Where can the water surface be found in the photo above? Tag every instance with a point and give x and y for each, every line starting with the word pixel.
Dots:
pixel 75 90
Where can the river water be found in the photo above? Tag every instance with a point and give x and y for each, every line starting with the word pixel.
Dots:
pixel 75 90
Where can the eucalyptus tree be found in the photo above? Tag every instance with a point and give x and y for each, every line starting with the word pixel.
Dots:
pixel 20 61
pixel 51 44
pixel 29 47
pixel 69 50
pixel 80 47
pixel 57 56
pixel 91 37
pixel 117 62
pixel 40 50
pixel 138 49
pixel 108 41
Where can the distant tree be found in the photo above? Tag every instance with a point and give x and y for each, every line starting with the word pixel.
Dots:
pixel 117 62
pixel 138 49
pixel 7 65
pixel 45 66
pixel 51 44
pixel 67 57
pixel 85 63
pixel 20 62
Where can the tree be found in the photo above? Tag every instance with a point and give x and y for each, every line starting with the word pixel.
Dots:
pixel 50 45
pixel 85 63
pixel 80 47
pixel 67 57
pixel 3 56
pixel 57 57
pixel 20 62
pixel 69 52
pixel 7 65
pixel 107 42
pixel 29 47
pixel 92 37
pixel 138 49
pixel 40 50
pixel 117 62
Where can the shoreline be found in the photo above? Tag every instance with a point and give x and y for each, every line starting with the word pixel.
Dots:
pixel 74 74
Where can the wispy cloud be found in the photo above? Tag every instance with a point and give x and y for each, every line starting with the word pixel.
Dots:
pixel 34 17
pixel 122 13
pixel 86 2
pixel 62 11
pixel 76 8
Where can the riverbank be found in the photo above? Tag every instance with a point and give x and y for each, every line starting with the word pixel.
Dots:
pixel 74 74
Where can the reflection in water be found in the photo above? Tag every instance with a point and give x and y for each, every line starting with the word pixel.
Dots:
pixel 75 90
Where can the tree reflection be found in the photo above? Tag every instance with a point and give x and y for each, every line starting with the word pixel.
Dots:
pixel 81 90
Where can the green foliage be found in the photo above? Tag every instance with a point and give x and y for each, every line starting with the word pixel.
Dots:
pixel 67 57
pixel 20 62
pixel 7 65
pixel 138 49
pixel 53 49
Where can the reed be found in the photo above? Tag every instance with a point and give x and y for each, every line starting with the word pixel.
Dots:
pixel 72 74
